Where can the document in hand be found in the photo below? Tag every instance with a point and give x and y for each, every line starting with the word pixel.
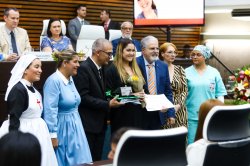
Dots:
pixel 157 102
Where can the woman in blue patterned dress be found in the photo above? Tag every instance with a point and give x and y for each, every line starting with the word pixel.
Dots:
pixel 55 41
pixel 61 101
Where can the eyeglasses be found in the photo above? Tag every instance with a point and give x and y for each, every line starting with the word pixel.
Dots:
pixel 126 28
pixel 172 53
pixel 110 54
pixel 196 55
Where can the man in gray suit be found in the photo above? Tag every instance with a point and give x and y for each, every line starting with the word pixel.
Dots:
pixel 74 26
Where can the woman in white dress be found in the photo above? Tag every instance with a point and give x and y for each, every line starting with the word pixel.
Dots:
pixel 24 104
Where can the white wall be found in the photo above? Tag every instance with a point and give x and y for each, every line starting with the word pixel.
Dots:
pixel 228 39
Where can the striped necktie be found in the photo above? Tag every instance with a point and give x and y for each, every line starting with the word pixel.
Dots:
pixel 151 80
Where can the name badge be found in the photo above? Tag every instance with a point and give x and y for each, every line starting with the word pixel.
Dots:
pixel 126 91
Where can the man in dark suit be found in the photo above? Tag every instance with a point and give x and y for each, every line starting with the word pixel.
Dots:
pixel 74 26
pixel 127 31
pixel 161 82
pixel 91 87
pixel 107 23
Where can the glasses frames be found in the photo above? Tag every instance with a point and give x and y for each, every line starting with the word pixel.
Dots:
pixel 110 54
pixel 198 55
pixel 126 28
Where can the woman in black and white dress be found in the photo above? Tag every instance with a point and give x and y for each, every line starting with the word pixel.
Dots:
pixel 24 104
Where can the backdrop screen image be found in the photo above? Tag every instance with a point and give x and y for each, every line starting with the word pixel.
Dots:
pixel 168 12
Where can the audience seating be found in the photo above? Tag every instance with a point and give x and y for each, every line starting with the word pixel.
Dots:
pixel 226 130
pixel 152 147
pixel 87 36
pixel 45 27
pixel 114 34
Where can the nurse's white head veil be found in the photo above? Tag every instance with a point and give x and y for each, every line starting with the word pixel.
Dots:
pixel 18 71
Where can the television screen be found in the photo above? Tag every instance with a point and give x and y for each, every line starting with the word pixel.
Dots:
pixel 168 12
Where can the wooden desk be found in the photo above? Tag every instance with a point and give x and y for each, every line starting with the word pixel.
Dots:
pixel 48 67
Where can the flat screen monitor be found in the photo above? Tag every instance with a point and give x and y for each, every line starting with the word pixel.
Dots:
pixel 169 12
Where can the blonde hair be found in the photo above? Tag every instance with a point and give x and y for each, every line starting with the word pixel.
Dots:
pixel 65 55
pixel 164 47
pixel 118 62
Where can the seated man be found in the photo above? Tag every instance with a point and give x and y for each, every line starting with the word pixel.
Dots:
pixel 13 40
pixel 127 30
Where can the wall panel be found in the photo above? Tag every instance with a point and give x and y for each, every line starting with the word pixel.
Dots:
pixel 32 12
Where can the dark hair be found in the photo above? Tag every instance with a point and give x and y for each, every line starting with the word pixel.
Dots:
pixel 107 12
pixel 123 43
pixel 19 149
pixel 7 10
pixel 80 6
pixel 118 134
pixel 65 55
pixel 186 47
pixel 51 20
pixel 153 5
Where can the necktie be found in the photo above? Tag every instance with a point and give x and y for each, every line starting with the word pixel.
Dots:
pixel 105 26
pixel 151 80
pixel 82 22
pixel 13 42
pixel 31 88
pixel 100 73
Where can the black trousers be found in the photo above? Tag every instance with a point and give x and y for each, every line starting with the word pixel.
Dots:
pixel 96 142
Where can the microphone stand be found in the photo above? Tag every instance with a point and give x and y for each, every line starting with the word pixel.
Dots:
pixel 213 56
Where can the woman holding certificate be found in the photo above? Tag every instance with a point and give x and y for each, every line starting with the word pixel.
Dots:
pixel 124 75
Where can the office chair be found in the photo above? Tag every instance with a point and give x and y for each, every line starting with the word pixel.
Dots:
pixel 114 34
pixel 226 130
pixel 152 148
pixel 2 23
pixel 87 36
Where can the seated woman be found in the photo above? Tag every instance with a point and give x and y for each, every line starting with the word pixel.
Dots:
pixel 194 150
pixel 55 41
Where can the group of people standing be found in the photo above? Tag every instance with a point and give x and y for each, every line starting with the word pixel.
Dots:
pixel 75 108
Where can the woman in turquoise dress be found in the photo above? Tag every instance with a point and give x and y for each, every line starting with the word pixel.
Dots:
pixel 61 101
pixel 55 41
pixel 204 82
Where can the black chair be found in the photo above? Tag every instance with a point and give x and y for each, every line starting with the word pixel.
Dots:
pixel 226 129
pixel 152 148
